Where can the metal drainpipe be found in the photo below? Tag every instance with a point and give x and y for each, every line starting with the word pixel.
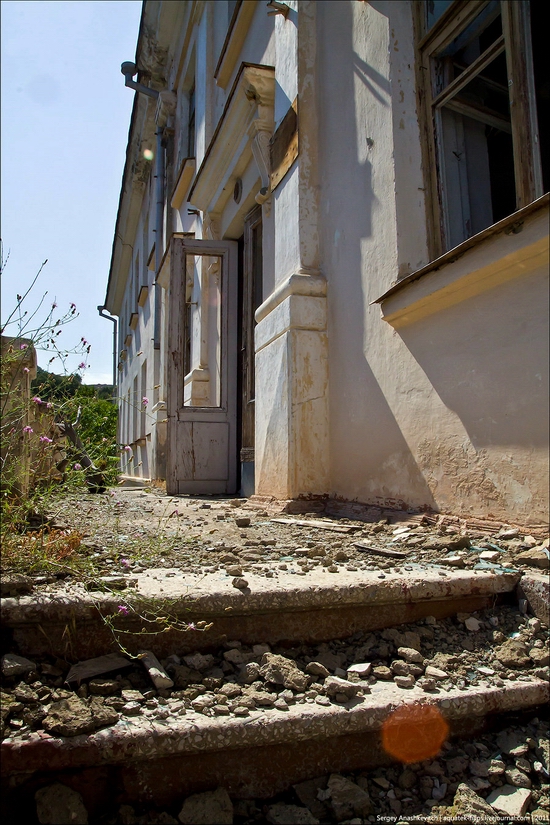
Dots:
pixel 101 310
pixel 159 229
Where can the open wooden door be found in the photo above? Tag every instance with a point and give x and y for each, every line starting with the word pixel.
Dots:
pixel 202 368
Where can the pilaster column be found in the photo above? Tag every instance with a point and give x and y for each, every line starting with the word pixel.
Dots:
pixel 291 455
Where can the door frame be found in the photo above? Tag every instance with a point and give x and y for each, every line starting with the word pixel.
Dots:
pixel 210 431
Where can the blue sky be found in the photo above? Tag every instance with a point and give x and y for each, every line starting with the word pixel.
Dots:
pixel 65 119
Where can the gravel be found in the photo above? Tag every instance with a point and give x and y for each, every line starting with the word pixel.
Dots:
pixel 127 531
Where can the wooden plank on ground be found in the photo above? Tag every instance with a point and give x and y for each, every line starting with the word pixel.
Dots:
pixel 320 525
pixel 380 551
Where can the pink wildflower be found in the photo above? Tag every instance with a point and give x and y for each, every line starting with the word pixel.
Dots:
pixel 36 399
pixel 82 366
pixel 28 429
pixel 122 609
pixel 45 440
pixel 23 346
pixel 144 400
pixel 128 449
pixel 125 562
pixel 77 466
pixel 26 369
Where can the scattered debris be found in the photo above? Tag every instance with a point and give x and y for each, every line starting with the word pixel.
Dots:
pixel 13 665
pixel 319 525
pixel 380 551
pixel 59 805
pixel 509 800
pixel 207 808
pixel 72 716
pixel 97 666
pixel 15 585
pixel 158 675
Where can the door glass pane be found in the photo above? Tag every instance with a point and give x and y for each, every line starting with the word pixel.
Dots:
pixel 202 345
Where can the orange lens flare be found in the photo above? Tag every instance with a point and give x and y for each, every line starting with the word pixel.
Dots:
pixel 414 733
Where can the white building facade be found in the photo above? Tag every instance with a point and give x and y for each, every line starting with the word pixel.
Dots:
pixel 330 264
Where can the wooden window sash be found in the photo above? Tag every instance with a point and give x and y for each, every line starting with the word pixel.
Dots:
pixel 470 72
pixel 480 114
pixel 517 46
pixel 525 134
pixel 434 215
pixel 452 22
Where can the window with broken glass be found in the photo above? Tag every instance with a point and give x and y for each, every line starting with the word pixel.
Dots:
pixel 483 84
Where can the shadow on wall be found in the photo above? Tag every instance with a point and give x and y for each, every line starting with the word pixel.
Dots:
pixel 370 458
pixel 487 359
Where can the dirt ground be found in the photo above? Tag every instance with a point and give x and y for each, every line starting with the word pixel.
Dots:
pixel 130 530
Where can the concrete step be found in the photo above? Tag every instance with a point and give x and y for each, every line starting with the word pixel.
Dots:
pixel 260 755
pixel 148 759
pixel 318 606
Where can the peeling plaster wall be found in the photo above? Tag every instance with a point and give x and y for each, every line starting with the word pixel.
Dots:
pixel 448 412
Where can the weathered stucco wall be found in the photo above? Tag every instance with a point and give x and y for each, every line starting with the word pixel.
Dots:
pixel 441 407
pixel 448 412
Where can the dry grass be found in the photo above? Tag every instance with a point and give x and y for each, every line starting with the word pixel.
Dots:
pixel 36 550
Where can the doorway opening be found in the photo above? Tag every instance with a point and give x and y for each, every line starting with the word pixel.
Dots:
pixel 250 263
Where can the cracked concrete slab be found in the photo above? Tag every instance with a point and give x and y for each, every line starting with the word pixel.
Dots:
pixel 312 607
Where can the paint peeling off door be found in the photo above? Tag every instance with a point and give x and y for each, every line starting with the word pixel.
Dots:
pixel 202 367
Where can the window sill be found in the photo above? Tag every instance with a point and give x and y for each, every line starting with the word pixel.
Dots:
pixel 234 42
pixel 183 183
pixel 142 297
pixel 513 247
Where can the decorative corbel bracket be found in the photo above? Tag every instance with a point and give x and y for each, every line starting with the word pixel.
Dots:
pixel 211 226
pixel 260 149
pixel 259 92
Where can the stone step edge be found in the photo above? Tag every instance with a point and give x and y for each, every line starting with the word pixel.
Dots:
pixel 139 739
pixel 214 598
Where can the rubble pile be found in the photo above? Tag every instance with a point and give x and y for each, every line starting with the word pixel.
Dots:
pixel 489 647
pixel 498 777
pixel 492 647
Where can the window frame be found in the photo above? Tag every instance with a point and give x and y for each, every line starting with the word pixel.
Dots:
pixel 191 111
pixel 515 41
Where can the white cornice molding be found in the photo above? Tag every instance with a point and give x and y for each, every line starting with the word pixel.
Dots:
pixel 243 132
